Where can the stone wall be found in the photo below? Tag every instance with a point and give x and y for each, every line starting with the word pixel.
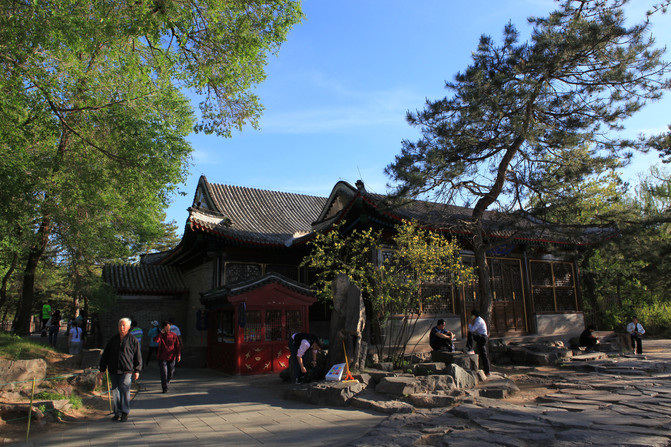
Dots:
pixel 197 280
pixel 560 324
pixel 418 341
pixel 143 310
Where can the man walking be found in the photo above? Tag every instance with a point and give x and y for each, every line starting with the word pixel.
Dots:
pixel 169 353
pixel 46 314
pixel 123 359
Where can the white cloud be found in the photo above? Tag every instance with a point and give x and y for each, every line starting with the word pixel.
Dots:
pixel 322 104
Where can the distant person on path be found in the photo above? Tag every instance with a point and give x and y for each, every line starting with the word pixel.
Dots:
pixel 175 329
pixel 587 338
pixel 75 338
pixel 169 354
pixel 123 359
pixel 54 327
pixel 46 314
pixel 441 339
pixel 153 346
pixel 635 330
pixel 299 344
pixel 477 332
pixel 136 332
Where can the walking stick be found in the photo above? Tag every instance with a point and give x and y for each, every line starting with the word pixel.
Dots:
pixel 30 410
pixel 109 393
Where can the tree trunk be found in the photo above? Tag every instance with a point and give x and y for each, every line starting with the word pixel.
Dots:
pixel 22 320
pixel 486 297
pixel 5 281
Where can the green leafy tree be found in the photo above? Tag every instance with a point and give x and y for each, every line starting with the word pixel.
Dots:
pixel 628 270
pixel 391 286
pixel 93 121
pixel 419 257
pixel 558 99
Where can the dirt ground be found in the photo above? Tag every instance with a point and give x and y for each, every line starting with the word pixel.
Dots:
pixel 95 404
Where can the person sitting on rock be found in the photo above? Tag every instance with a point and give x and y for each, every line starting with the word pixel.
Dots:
pixel 588 340
pixel 441 339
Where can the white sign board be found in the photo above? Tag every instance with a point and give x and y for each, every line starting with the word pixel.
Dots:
pixel 336 372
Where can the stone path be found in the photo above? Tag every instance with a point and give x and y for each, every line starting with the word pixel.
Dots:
pixel 619 401
pixel 205 408
pixel 624 401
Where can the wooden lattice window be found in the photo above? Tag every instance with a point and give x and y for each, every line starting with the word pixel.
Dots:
pixel 437 298
pixel 553 286
pixel 273 325
pixel 294 322
pixel 253 326
pixel 224 327
pixel 237 271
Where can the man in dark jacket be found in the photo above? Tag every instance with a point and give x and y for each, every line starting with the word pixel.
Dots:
pixel 123 359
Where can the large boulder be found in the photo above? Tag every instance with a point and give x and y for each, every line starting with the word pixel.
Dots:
pixel 462 378
pixel 432 400
pixel 374 402
pixel 466 361
pixel 87 380
pixel 348 320
pixel 425 369
pixel 91 358
pixel 436 383
pixel 330 394
pixel 398 385
pixel 20 373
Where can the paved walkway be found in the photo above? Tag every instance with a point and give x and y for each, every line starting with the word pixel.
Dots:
pixel 205 408
pixel 621 401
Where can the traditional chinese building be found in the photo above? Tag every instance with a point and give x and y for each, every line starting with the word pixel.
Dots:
pixel 244 246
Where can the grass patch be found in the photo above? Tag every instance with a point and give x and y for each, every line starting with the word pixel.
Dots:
pixel 50 395
pixel 13 347
pixel 73 399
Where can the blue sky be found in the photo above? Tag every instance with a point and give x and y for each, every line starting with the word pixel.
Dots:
pixel 337 92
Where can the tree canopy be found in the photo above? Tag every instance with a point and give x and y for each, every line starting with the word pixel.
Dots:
pixel 524 112
pixel 393 284
pixel 93 117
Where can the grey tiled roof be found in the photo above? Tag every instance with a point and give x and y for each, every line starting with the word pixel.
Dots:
pixel 520 227
pixel 272 218
pixel 257 216
pixel 144 279
pixel 219 293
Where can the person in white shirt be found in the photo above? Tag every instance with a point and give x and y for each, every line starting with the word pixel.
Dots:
pixel 635 330
pixel 477 332
pixel 75 339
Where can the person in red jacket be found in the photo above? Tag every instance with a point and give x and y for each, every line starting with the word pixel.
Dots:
pixel 169 353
